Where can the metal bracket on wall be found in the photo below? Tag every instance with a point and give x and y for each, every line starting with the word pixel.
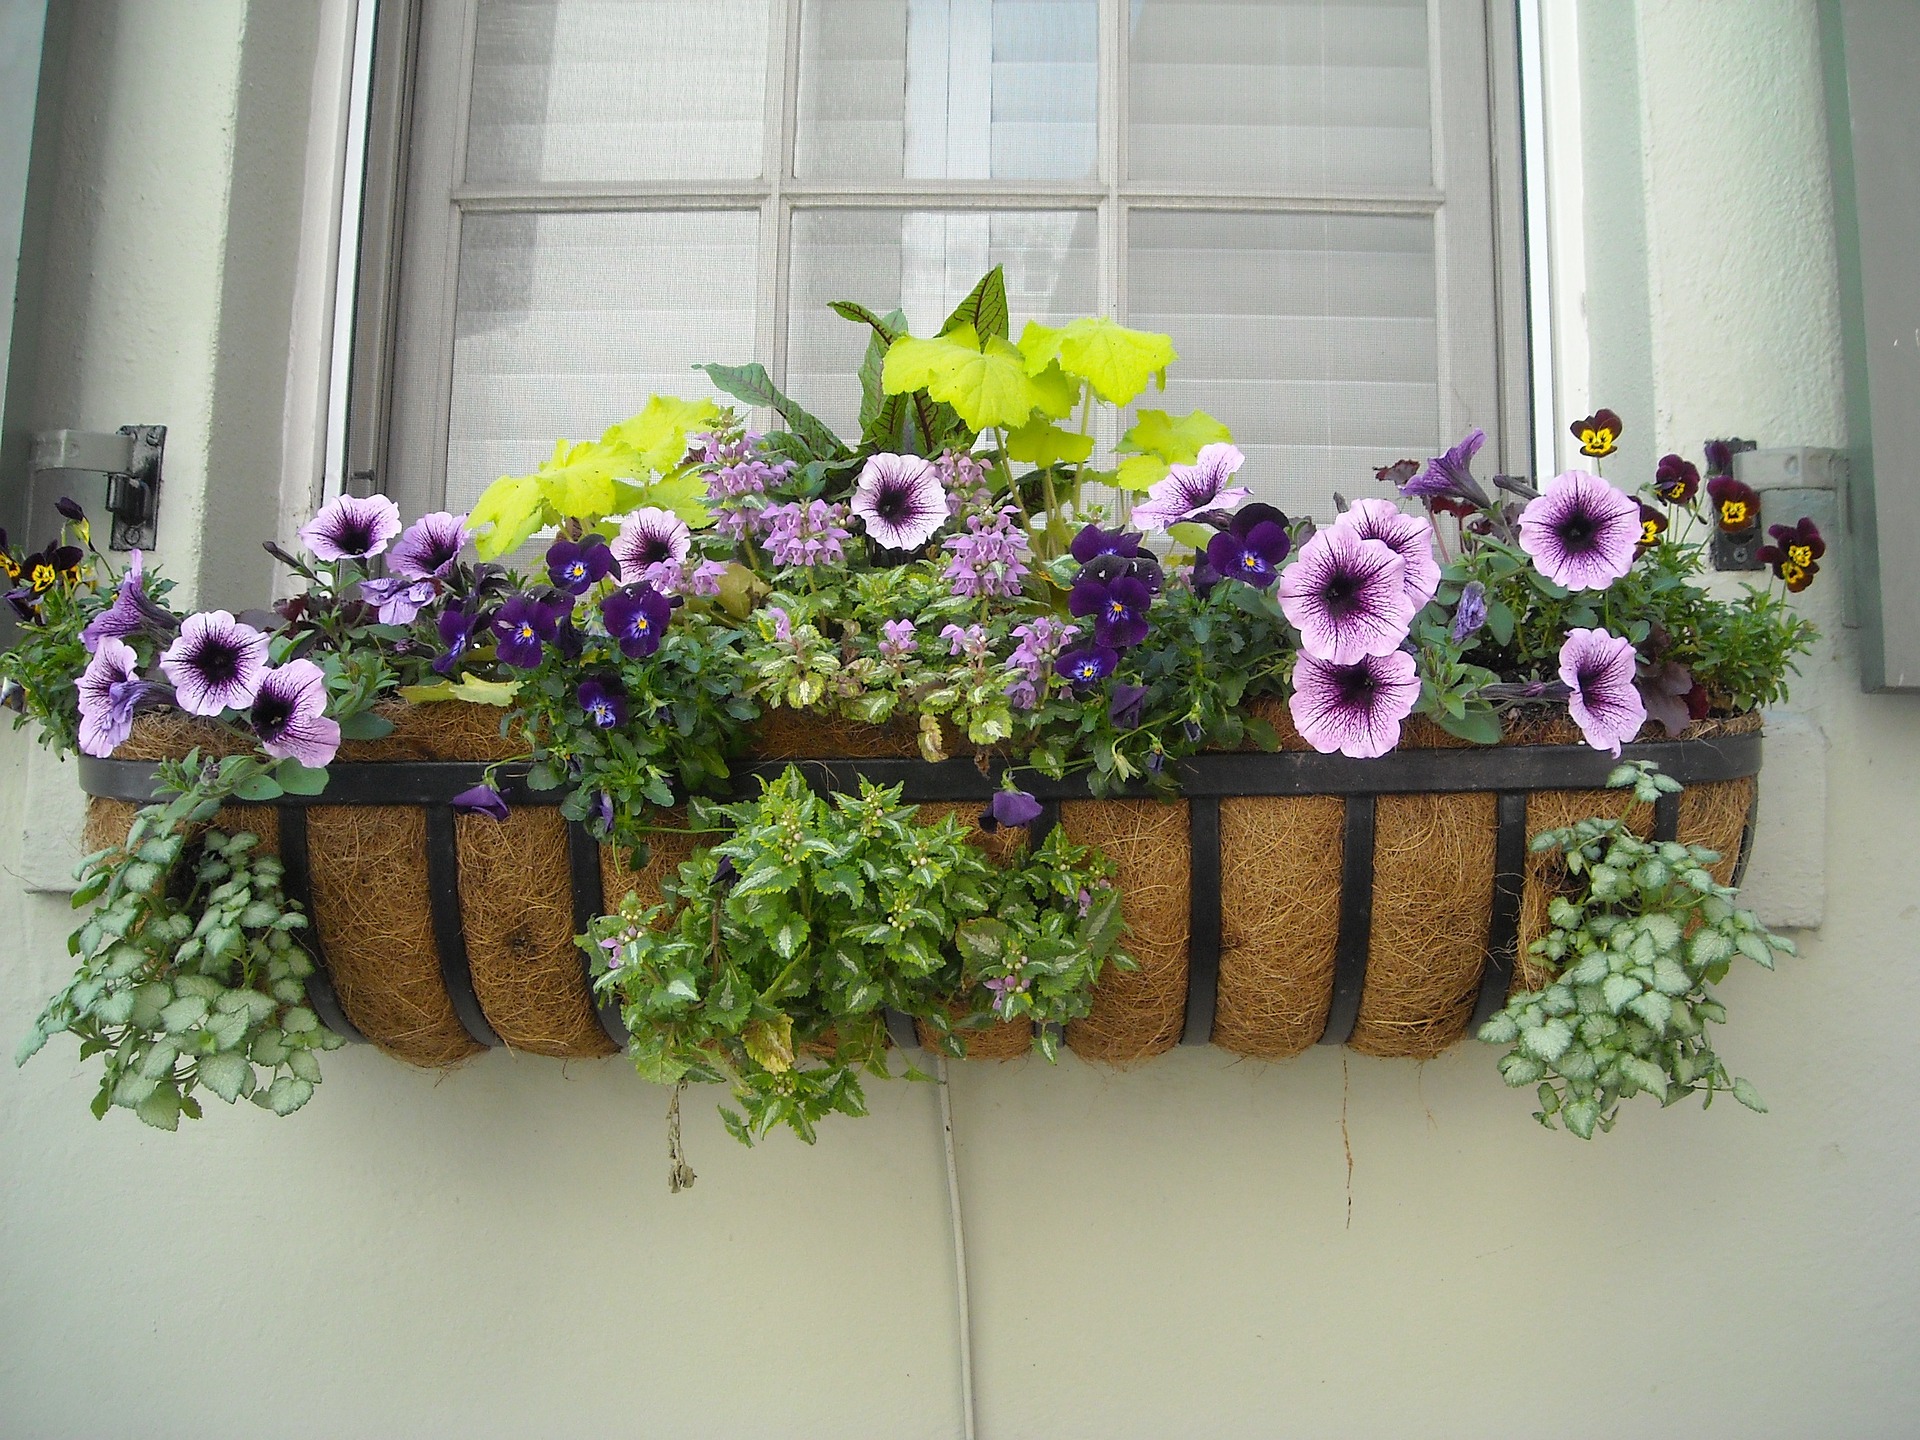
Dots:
pixel 129 461
pixel 1737 550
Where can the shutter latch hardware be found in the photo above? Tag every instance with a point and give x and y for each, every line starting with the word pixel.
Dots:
pixel 128 460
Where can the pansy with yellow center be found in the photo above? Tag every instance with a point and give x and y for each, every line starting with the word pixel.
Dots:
pixel 1598 434
pixel 1653 524
pixel 1794 553
pixel 1736 507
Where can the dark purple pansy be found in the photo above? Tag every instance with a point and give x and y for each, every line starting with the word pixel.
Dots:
pixel 1127 704
pixel 1675 479
pixel 1599 669
pixel 1093 542
pixel 604 699
pixel 290 715
pixel 456 633
pixel 215 663
pixel 636 618
pixel 481 800
pixel 110 695
pixel 1653 524
pixel 1794 552
pixel 1087 664
pixel 430 548
pixel 900 500
pixel 521 629
pixel 1117 607
pixel 1471 613
pixel 131 613
pixel 352 527
pixel 1451 474
pixel 1736 506
pixel 1719 457
pixel 1581 531
pixel 575 566
pixel 1354 709
pixel 1010 807
pixel 1347 596
pixel 1252 546
pixel 1598 433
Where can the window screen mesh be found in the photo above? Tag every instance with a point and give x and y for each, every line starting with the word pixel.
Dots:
pixel 1256 179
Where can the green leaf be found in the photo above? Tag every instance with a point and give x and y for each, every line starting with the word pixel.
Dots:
pixel 1654 1008
pixel 987 386
pixel 296 779
pixel 258 788
pixel 1116 361
pixel 1178 441
pixel 657 436
pixel 506 515
pixel 1040 442
pixel 161 1109
pixel 983 941
pixel 1744 1092
pixel 365 726
pixel 752 384
pixel 470 688
pixel 1478 723
pixel 984 311
pixel 288 1094
pixel 1140 472
pixel 1548 1040
pixel 770 1043
pixel 1619 991
pixel 226 1074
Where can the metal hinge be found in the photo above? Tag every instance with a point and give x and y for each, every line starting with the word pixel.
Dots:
pixel 128 460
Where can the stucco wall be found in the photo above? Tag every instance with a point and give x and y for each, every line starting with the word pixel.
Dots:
pixel 1174 1250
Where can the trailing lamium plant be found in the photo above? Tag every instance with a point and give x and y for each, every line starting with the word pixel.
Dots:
pixel 1642 932
pixel 189 973
pixel 771 964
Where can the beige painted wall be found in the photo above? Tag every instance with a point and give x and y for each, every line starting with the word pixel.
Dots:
pixel 1170 1251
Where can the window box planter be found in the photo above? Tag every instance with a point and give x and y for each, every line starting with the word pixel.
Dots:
pixel 1281 900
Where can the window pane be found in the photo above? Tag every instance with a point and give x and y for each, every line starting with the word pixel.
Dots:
pixel 1312 336
pixel 618 90
pixel 1279 95
pixel 924 263
pixel 566 323
pixel 948 89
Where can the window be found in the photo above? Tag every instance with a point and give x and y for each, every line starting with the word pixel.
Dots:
pixel 579 199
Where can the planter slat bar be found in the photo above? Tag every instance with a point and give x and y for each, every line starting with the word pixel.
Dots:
pixel 449 930
pixel 1286 772
pixel 589 900
pixel 297 877
pixel 1356 922
pixel 1203 918
pixel 1666 817
pixel 1503 926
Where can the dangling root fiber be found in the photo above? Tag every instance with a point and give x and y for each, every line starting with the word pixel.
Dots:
pixel 516 903
pixel 1138 1013
pixel 680 1175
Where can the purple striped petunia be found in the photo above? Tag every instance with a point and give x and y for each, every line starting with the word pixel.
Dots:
pixel 215 663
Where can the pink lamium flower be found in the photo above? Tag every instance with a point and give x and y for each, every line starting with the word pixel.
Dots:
pixel 215 663
pixel 1188 490
pixel 1581 531
pixel 290 715
pixel 1347 596
pixel 1605 704
pixel 900 500
pixel 1408 536
pixel 1354 709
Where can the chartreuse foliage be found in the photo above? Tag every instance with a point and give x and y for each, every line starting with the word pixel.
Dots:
pixel 1641 934
pixel 189 973
pixel 640 461
pixel 772 961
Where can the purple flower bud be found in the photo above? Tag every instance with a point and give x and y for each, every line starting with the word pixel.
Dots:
pixel 1014 807
pixel 482 800
pixel 70 509
pixel 1471 613
pixel 1125 708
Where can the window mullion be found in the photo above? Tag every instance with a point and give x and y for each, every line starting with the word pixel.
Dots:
pixel 783 67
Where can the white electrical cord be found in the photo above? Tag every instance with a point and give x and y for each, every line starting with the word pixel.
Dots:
pixel 959 1247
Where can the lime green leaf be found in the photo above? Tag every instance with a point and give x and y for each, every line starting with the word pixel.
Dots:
pixel 511 510
pixel 986 387
pixel 1041 442
pixel 658 434
pixel 1140 472
pixel 1116 361
pixel 684 495
pixel 471 688
pixel 1057 393
pixel 984 311
pixel 770 1043
pixel 576 482
pixel 1176 441
pixel 1189 532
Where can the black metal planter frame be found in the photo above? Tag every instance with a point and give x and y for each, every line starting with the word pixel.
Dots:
pixel 1203 781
